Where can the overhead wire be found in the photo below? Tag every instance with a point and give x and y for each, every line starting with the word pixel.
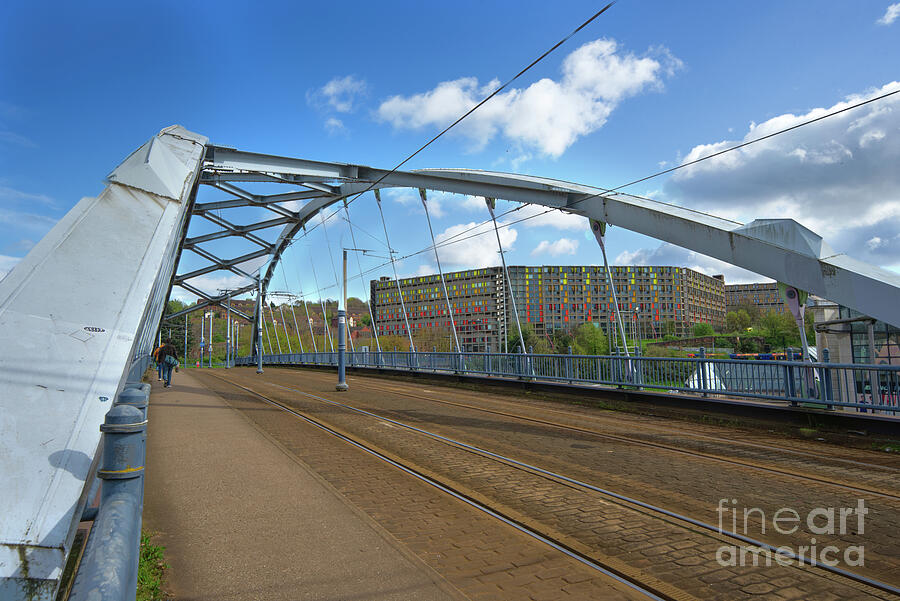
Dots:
pixel 483 101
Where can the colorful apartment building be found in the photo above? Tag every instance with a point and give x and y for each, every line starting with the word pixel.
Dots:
pixel 654 300
pixel 763 296
pixel 476 299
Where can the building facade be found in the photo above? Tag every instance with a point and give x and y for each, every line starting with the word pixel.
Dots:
pixel 765 296
pixel 654 301
pixel 476 299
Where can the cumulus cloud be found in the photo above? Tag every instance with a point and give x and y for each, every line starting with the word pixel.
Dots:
pixel 213 282
pixel 334 125
pixel 838 177
pixel 669 254
pixel 540 217
pixel 341 94
pixel 439 203
pixel 549 115
pixel 473 249
pixel 890 15
pixel 557 248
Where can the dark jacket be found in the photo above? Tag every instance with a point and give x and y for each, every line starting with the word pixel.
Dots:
pixel 167 349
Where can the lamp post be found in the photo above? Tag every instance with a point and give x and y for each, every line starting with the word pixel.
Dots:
pixel 342 334
pixel 341 386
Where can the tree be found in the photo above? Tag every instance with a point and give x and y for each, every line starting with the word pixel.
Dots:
pixel 752 310
pixel 590 340
pixel 542 347
pixel 779 329
pixel 527 333
pixel 561 341
pixel 703 329
pixel 737 321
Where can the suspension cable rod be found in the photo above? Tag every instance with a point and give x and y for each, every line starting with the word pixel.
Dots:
pixel 284 325
pixel 262 313
pixel 490 205
pixel 306 308
pixel 326 331
pixel 362 278
pixel 275 328
pixel 337 280
pixel 600 233
pixel 440 271
pixel 412 346
pixel 286 287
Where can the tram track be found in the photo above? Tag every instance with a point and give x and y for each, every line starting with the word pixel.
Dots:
pixel 861 583
pixel 650 592
pixel 716 458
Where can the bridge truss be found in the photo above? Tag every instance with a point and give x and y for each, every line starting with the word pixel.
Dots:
pixel 84 306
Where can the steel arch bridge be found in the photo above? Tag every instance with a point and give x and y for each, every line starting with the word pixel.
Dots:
pixel 78 312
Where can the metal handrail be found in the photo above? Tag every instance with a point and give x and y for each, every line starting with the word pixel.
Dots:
pixel 823 384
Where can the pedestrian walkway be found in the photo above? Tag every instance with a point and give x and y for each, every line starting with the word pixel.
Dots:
pixel 242 519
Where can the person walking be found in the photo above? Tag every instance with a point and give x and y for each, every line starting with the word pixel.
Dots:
pixel 159 365
pixel 168 358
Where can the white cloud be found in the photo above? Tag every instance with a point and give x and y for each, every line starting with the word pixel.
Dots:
pixel 341 94
pixel 548 115
pixel 12 194
pixel 670 255
pixel 540 217
pixel 890 15
pixel 211 284
pixel 439 203
pixel 557 248
pixel 30 221
pixel 15 139
pixel 838 177
pixel 473 249
pixel 334 125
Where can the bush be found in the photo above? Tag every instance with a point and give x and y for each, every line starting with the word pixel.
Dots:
pixel 703 329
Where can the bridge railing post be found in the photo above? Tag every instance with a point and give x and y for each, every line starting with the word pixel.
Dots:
pixel 703 367
pixel 109 567
pixel 825 377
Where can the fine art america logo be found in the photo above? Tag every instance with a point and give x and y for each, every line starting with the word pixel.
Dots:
pixel 751 522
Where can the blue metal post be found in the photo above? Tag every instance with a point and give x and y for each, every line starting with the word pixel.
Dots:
pixel 826 379
pixel 342 347
pixel 791 388
pixel 259 326
pixel 342 336
pixel 704 386
pixel 109 568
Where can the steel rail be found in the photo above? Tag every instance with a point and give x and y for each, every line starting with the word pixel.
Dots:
pixel 627 439
pixel 561 547
pixel 801 559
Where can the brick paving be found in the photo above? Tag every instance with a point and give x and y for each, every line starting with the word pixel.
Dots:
pixel 481 557
pixel 678 482
pixel 632 541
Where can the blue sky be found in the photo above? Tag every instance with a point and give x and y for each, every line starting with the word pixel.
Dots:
pixel 647 85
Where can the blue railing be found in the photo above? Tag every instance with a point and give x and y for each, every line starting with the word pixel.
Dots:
pixel 864 388
pixel 109 566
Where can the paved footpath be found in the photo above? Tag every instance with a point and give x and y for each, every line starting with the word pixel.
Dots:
pixel 242 519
